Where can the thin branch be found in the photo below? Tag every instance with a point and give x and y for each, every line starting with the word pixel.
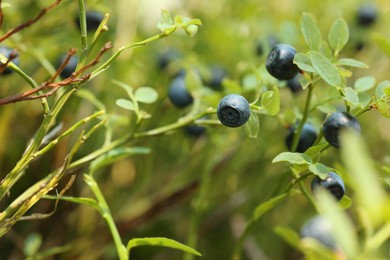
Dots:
pixel 30 22
pixel 54 86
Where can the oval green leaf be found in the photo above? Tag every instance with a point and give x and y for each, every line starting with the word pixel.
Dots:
pixel 325 69
pixel 351 63
pixel 338 35
pixel 126 104
pixel 303 62
pixel 252 127
pixel 311 32
pixel 364 84
pixel 293 158
pixel 146 95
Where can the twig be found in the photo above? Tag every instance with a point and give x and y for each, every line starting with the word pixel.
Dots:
pixel 54 86
pixel 29 22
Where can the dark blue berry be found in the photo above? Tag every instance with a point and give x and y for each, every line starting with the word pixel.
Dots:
pixel 93 19
pixel 178 92
pixel 336 122
pixel 217 74
pixel 6 51
pixel 294 85
pixel 320 229
pixel 367 15
pixel 195 130
pixel 306 139
pixel 333 183
pixel 233 110
pixel 165 58
pixel 69 68
pixel 280 62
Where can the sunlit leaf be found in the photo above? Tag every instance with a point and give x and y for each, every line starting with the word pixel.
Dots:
pixel 351 63
pixel 252 127
pixel 270 101
pixel 358 162
pixel 289 236
pixel 320 170
pixel 342 229
pixel 146 95
pixel 382 90
pixel 338 35
pixel 293 158
pixel 161 242
pixel 125 103
pixel 311 32
pixel 303 62
pixel 325 69
pixel 351 96
pixel 32 244
pixel 364 83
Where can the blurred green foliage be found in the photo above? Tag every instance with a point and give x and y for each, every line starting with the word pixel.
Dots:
pixel 199 191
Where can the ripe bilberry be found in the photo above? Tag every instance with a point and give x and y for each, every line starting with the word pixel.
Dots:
pixel 333 183
pixel 306 139
pixel 336 122
pixel 320 229
pixel 294 85
pixel 280 62
pixel 367 15
pixel 233 110
pixel 178 93
pixel 93 19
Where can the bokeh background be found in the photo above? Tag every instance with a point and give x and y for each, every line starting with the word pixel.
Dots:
pixel 158 194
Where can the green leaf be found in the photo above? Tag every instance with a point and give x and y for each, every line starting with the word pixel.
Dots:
pixel 289 236
pixel 32 243
pixel 270 101
pixel 303 62
pixel 351 63
pixel 191 30
pixel 266 206
pixel 368 191
pixel 383 43
pixel 166 24
pixel 342 229
pixel 79 200
pixel 160 241
pixel 311 32
pixel 252 127
pixel 382 90
pixel 314 150
pixel 345 202
pixel 320 170
pixel 338 35
pixel 351 96
pixel 364 84
pixel 383 108
pixel 125 103
pixel 325 69
pixel 293 158
pixel 116 155
pixel 146 95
